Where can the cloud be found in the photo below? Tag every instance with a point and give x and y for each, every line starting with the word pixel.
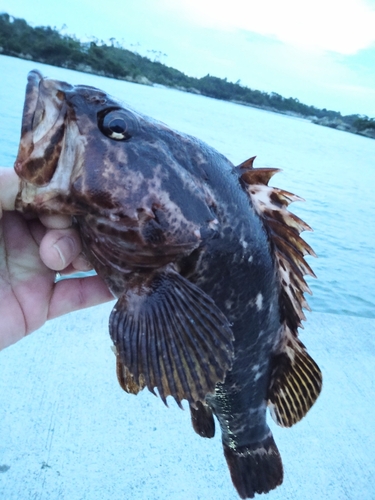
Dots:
pixel 333 25
pixel 307 50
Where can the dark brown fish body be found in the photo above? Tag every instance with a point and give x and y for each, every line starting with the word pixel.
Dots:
pixel 204 257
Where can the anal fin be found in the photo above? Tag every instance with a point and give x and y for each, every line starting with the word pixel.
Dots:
pixel 296 382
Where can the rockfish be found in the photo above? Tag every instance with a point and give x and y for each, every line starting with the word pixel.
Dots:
pixel 205 259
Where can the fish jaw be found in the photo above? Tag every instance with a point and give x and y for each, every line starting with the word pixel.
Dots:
pixel 42 132
pixel 51 148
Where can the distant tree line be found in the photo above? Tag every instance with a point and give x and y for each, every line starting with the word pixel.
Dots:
pixel 48 45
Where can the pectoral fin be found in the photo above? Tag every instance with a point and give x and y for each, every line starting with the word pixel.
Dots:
pixel 170 335
pixel 125 378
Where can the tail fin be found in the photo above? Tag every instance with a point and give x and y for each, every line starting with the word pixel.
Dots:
pixel 256 468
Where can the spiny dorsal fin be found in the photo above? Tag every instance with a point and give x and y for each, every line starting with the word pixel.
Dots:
pixel 296 379
pixel 296 382
pixel 283 229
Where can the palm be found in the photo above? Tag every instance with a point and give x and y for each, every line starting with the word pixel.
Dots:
pixel 26 284
pixel 28 294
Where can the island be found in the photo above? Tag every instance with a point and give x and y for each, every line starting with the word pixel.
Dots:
pixel 48 45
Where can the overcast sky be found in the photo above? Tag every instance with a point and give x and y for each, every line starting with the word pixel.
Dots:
pixel 321 52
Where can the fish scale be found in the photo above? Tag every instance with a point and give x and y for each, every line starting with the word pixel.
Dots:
pixel 205 259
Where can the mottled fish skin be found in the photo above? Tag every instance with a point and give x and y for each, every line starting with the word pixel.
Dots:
pixel 168 225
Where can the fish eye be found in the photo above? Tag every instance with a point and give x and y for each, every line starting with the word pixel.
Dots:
pixel 115 125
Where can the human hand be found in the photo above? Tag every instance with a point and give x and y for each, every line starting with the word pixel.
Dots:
pixel 31 252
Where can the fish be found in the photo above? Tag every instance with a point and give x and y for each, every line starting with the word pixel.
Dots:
pixel 204 257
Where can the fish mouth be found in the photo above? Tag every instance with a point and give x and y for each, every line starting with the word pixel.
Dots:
pixel 39 91
pixel 31 99
pixel 43 127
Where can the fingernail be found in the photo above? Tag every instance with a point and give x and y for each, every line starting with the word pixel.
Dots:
pixel 65 247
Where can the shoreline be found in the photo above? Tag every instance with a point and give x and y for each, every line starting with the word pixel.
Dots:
pixel 335 122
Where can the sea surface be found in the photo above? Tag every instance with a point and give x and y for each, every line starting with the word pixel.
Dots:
pixel 333 171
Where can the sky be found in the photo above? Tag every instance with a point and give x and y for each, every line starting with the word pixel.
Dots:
pixel 320 52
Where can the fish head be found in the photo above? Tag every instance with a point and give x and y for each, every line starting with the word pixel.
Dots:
pixel 83 153
pixel 81 149
pixel 72 148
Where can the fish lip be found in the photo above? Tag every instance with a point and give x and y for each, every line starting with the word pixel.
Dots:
pixel 34 79
pixel 36 88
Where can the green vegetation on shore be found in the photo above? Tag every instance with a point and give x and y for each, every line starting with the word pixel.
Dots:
pixel 48 45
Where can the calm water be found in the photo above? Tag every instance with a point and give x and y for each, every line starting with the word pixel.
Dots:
pixel 334 171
